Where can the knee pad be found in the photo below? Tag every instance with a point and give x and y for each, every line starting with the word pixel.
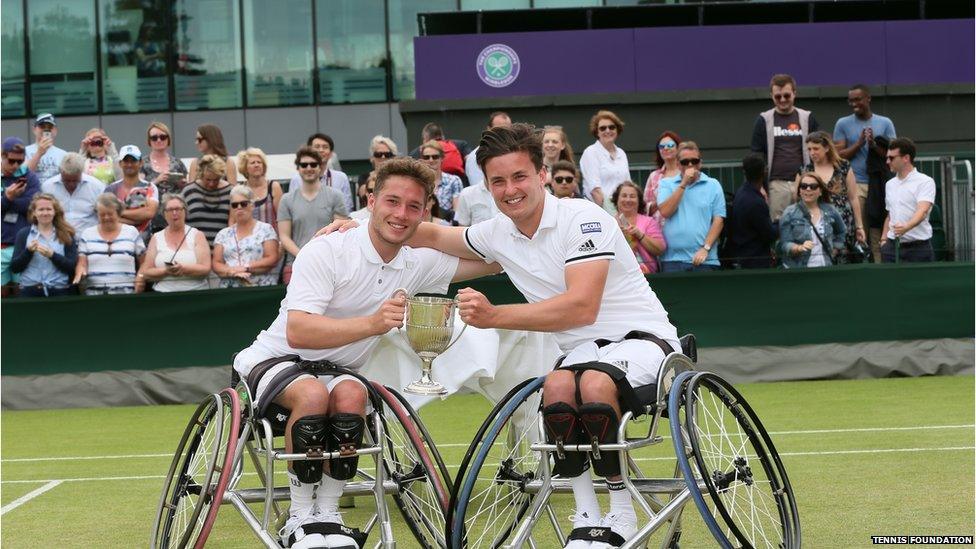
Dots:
pixel 308 435
pixel 562 428
pixel 600 422
pixel 346 436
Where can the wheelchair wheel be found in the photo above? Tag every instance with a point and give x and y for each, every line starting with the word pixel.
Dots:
pixel 412 461
pixel 722 445
pixel 199 473
pixel 490 498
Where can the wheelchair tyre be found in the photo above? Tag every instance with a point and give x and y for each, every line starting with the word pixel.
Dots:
pixel 490 499
pixel 199 473
pixel 725 448
pixel 411 460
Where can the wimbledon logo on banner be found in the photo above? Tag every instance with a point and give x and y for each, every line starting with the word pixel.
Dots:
pixel 498 65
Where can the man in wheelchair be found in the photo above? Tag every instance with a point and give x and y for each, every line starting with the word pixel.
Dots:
pixel 340 300
pixel 582 282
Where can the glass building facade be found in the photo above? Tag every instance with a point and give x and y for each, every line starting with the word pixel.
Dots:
pixel 124 56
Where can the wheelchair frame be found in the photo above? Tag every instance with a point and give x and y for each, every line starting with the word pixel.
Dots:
pixel 256 436
pixel 675 388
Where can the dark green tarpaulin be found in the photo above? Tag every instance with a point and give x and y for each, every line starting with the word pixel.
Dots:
pixel 724 309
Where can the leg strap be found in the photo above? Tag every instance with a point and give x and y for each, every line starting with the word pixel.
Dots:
pixel 601 534
pixel 308 436
pixel 600 422
pixel 345 437
pixel 331 528
pixel 562 428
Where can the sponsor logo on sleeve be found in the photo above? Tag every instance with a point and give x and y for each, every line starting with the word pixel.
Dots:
pixel 591 227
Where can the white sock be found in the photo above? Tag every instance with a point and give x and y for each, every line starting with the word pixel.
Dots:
pixel 620 501
pixel 301 494
pixel 585 495
pixel 328 493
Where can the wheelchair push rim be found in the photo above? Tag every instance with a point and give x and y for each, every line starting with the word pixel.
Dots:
pixel 722 445
pixel 198 474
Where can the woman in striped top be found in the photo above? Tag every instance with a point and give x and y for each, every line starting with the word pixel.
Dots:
pixel 109 253
pixel 208 198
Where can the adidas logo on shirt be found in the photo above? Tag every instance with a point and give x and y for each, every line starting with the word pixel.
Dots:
pixel 587 246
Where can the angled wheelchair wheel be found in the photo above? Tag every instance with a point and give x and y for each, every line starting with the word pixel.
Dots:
pixel 199 473
pixel 731 466
pixel 412 461
pixel 490 499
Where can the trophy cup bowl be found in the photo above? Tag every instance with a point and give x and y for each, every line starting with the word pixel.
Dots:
pixel 429 325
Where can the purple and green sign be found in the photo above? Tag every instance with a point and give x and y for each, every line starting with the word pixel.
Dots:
pixel 654 59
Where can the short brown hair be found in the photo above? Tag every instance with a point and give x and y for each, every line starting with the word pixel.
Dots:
pixel 518 137
pixel 688 146
pixel 308 151
pixel 615 198
pixel 407 167
pixel 595 122
pixel 904 146
pixel 564 166
pixel 824 190
pixel 781 80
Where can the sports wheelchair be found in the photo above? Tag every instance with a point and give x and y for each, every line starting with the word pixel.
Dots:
pixel 726 464
pixel 208 469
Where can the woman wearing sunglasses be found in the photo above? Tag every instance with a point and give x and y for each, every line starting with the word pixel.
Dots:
pixel 210 141
pixel 604 164
pixel 245 253
pixel 163 167
pixel 178 257
pixel 109 254
pixel 811 231
pixel 381 150
pixel 447 187
pixel 101 158
pixel 666 158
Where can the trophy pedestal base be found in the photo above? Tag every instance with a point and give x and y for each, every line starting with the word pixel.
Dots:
pixel 428 388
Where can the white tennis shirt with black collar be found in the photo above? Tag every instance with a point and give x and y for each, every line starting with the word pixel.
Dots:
pixel 575 231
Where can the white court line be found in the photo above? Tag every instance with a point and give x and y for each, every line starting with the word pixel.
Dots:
pixel 29 496
pixel 666 458
pixel 466 444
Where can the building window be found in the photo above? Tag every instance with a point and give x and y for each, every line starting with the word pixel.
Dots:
pixel 13 93
pixel 278 52
pixel 62 56
pixel 403 29
pixel 350 43
pixel 134 55
pixel 207 38
pixel 488 5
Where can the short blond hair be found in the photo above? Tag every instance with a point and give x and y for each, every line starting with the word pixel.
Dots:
pixel 245 155
pixel 213 164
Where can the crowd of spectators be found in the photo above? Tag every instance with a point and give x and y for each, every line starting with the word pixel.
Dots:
pixel 109 220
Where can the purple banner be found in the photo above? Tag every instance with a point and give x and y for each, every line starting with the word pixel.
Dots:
pixel 684 58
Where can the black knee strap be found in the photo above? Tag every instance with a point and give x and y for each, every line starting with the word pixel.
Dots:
pixel 327 528
pixel 600 422
pixel 563 428
pixel 597 533
pixel 345 436
pixel 308 436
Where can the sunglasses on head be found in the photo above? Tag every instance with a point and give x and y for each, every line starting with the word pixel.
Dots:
pixel 308 164
pixel 564 179
pixel 241 204
pixel 382 155
pixel 809 186
pixel 159 137
pixel 430 156
pixel 607 128
pixel 668 145
pixel 690 162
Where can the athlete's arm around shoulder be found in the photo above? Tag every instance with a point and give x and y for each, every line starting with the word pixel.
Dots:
pixel 449 240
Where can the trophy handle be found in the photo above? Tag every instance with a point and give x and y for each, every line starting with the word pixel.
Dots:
pixel 464 326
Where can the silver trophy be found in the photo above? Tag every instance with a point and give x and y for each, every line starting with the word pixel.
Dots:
pixel 429 325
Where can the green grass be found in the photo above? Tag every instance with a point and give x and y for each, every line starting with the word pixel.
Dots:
pixel 849 484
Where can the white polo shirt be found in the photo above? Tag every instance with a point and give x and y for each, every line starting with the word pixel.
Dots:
pixel 475 205
pixel 901 200
pixel 574 231
pixel 599 169
pixel 341 275
pixel 473 170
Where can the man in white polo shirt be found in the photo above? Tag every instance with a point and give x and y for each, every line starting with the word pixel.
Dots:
pixel 340 301
pixel 908 198
pixel 582 283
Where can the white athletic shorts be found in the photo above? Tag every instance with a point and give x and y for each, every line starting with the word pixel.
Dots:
pixel 638 358
pixel 247 359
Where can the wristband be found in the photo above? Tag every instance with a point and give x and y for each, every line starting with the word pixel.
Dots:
pixel 706 247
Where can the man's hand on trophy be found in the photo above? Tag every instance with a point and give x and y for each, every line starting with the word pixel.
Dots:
pixel 390 314
pixel 341 225
pixel 475 309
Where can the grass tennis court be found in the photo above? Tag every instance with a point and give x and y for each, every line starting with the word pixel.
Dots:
pixel 866 457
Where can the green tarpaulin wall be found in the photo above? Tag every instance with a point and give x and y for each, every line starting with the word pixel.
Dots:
pixel 725 309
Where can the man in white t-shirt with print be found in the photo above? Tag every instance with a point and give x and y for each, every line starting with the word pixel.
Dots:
pixel 339 302
pixel 582 283
pixel 908 198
